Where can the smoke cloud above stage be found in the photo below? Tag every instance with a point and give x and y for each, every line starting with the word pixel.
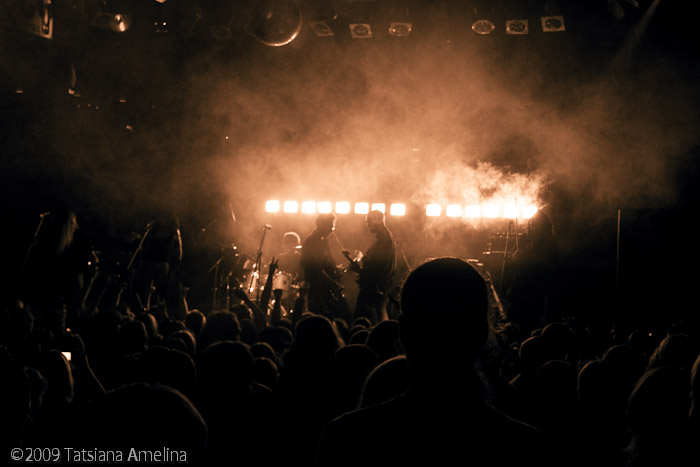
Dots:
pixel 436 124
pixel 434 121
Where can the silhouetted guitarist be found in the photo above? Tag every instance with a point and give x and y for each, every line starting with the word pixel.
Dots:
pixel 375 270
pixel 320 271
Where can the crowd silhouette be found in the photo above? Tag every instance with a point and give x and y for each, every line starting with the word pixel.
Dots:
pixel 447 380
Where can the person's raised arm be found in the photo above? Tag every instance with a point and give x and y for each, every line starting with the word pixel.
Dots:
pixel 259 317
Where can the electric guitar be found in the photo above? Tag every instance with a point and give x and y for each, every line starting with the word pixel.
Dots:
pixel 355 263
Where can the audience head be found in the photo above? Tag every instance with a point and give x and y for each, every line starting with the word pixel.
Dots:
pixel 443 318
pixel 387 380
pixel 695 394
pixel 144 416
pixel 133 337
pixel 220 326
pixel 659 405
pixel 226 369
pixel 194 320
pixel 383 339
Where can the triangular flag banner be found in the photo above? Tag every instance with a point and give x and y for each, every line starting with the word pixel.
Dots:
pixel 517 26
pixel 553 23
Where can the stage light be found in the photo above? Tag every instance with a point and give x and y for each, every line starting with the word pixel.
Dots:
pixel 552 23
pixel 398 209
pixel 400 29
pixel 490 211
pixel 361 208
pixel 114 21
pixel 453 210
pixel 360 30
pixel 483 26
pixel 433 210
pixel 342 207
pixel 272 205
pixel 308 207
pixel 529 211
pixel 275 22
pixel 379 207
pixel 321 28
pixel 291 206
pixel 510 211
pixel 472 210
pixel 324 207
pixel 517 26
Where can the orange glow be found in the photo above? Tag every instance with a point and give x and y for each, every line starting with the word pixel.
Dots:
pixel 473 211
pixel 308 207
pixel 529 211
pixel 379 207
pixel 291 206
pixel 453 210
pixel 272 205
pixel 342 207
pixel 491 211
pixel 510 211
pixel 361 208
pixel 398 209
pixel 325 207
pixel 433 210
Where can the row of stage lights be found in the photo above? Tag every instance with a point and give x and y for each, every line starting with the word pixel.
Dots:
pixel 472 211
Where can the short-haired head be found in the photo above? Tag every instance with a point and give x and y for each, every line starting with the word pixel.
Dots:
pixel 325 222
pixel 445 300
pixel 291 238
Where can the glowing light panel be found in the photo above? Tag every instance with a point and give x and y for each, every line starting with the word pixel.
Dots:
pixel 453 210
pixel 291 206
pixel 325 207
pixel 272 205
pixel 472 210
pixel 433 210
pixel 510 211
pixel 491 211
pixel 308 207
pixel 342 207
pixel 398 209
pixel 379 207
pixel 361 208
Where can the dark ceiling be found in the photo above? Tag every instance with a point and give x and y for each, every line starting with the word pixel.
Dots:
pixel 136 48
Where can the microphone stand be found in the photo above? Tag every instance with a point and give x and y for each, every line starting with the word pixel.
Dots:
pixel 258 260
pixel 34 241
pixel 215 290
pixel 149 226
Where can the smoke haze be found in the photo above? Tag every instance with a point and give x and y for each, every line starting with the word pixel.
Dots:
pixel 436 120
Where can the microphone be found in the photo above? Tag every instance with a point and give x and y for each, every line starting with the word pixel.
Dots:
pixel 267 227
pixel 44 214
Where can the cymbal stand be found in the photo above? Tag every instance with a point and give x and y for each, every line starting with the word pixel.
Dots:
pixel 34 241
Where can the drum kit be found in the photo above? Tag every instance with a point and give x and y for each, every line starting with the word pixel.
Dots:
pixel 236 270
